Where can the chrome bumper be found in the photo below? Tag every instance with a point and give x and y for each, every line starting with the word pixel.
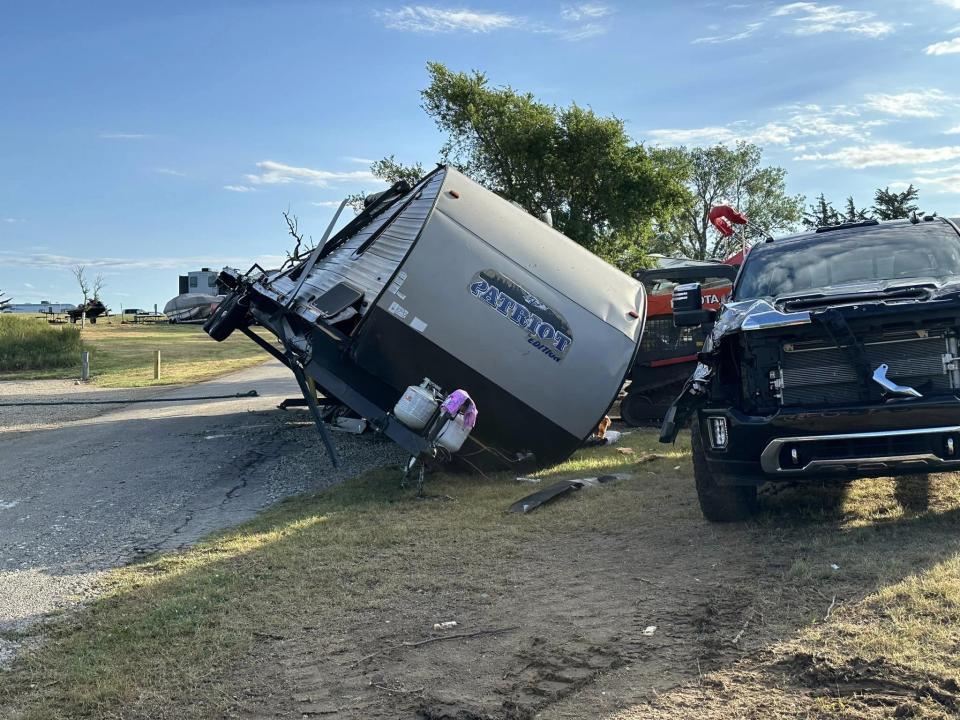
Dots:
pixel 918 462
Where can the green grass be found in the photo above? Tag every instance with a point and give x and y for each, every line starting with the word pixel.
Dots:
pixel 29 345
pixel 122 355
pixel 151 644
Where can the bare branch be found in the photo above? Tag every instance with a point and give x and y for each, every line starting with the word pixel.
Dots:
pixel 303 247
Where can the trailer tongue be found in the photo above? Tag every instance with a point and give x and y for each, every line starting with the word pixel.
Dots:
pixel 445 286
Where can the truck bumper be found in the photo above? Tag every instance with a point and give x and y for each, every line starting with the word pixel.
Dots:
pixel 897 437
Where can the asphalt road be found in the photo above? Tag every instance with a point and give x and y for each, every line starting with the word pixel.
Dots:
pixel 90 494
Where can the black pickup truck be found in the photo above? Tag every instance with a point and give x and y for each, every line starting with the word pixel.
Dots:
pixel 835 356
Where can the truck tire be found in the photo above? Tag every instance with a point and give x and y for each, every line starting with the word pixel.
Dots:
pixel 719 503
pixel 226 318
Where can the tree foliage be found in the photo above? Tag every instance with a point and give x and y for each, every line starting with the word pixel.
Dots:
pixel 889 205
pixel 821 213
pixel 722 175
pixel 603 190
pixel 4 301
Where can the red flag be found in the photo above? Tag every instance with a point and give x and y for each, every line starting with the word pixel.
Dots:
pixel 722 215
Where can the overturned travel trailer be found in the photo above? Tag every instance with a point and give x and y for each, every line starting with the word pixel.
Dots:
pixel 449 283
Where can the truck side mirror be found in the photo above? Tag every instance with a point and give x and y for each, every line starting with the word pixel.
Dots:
pixel 688 306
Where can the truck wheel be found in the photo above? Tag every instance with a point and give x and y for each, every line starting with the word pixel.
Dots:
pixel 226 318
pixel 719 503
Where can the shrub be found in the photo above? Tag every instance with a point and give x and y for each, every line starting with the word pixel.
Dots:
pixel 28 343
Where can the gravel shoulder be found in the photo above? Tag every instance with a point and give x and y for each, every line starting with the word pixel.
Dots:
pixel 84 489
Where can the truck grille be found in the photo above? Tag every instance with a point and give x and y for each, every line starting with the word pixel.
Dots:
pixel 818 375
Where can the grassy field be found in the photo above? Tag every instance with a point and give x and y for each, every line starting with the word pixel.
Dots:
pixel 122 355
pixel 29 345
pixel 832 604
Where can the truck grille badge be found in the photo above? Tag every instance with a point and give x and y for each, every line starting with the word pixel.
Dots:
pixel 880 377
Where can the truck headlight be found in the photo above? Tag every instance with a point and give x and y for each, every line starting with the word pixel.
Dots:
pixel 718 432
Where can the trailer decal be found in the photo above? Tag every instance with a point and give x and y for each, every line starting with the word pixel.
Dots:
pixel 549 332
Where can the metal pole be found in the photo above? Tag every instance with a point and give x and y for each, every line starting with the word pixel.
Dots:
pixel 156 364
pixel 85 365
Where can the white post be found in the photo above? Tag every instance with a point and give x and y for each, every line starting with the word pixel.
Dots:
pixel 156 364
pixel 85 365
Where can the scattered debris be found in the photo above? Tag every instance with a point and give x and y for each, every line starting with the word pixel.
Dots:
pixel 446 625
pixel 532 502
pixel 625 451
pixel 834 567
pixel 532 481
pixel 649 630
pixel 357 426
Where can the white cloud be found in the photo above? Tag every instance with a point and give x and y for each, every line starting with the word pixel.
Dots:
pixel 125 136
pixel 358 160
pixel 584 11
pixel 880 154
pixel 11 220
pixel 940 183
pixel 274 173
pixel 955 4
pixel 952 131
pixel 919 103
pixel 946 47
pixel 576 22
pixel 239 188
pixel 810 125
pixel 28 285
pixel 811 18
pixel 327 203
pixel 431 19
pixel 169 171
pixel 749 30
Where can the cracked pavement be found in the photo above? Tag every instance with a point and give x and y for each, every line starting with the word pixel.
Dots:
pixel 92 493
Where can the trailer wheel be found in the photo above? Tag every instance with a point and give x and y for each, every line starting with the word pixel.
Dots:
pixel 719 503
pixel 636 410
pixel 226 318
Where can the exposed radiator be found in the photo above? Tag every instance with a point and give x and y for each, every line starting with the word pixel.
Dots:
pixel 817 375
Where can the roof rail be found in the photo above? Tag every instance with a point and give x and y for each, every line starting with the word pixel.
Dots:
pixel 847 226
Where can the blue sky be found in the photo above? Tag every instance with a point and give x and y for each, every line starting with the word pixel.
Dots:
pixel 148 139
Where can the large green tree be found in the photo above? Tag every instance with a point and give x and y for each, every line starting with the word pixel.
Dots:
pixel 889 205
pixel 723 175
pixel 603 190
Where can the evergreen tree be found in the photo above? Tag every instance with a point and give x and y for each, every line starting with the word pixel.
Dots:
pixel 895 206
pixel 852 214
pixel 821 214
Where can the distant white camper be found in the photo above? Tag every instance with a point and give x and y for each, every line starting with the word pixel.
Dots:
pixel 200 294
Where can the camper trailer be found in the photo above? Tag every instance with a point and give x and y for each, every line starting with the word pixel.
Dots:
pixel 446 286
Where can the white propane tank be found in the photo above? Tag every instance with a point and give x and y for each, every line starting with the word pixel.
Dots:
pixel 417 405
pixel 453 435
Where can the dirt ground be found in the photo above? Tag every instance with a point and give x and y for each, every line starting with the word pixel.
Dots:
pixel 667 616
pixel 619 602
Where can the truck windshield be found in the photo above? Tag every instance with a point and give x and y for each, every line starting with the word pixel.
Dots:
pixel 844 257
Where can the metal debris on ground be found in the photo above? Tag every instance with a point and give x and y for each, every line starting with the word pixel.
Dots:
pixel 532 502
